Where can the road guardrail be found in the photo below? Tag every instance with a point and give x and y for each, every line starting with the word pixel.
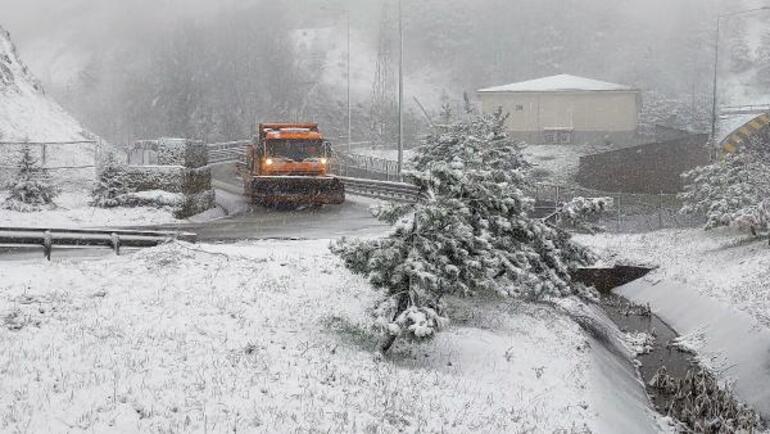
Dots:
pixel 398 191
pixel 114 239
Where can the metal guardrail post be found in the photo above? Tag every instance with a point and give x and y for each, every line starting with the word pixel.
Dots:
pixel 115 238
pixel 47 245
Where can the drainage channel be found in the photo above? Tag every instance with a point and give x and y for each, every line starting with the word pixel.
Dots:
pixel 676 384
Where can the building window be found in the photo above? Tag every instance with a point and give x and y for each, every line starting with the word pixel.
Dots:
pixel 518 108
pixel 557 136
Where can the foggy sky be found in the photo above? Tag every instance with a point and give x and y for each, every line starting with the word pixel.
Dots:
pixel 662 45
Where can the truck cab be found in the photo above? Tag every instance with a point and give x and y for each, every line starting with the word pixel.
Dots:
pixel 293 151
pixel 289 163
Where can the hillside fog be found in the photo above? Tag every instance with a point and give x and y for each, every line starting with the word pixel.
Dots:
pixel 141 69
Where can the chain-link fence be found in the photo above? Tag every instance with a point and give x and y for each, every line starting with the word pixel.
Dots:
pixel 631 212
pixel 366 167
pixel 70 163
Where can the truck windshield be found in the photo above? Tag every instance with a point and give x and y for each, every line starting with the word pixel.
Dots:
pixel 297 150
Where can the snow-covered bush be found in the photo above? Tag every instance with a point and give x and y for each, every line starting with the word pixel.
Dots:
pixel 109 186
pixel 470 234
pixel 33 188
pixel 152 199
pixel 580 214
pixel 732 192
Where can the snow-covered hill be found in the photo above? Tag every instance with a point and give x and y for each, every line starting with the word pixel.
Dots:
pixel 28 114
pixel 25 110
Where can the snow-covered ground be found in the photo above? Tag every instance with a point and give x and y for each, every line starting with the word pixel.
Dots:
pixel 73 211
pixel 559 164
pixel 714 289
pixel 274 337
pixel 718 263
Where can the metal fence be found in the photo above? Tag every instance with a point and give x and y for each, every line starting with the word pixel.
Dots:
pixel 66 164
pixel 227 152
pixel 48 154
pixel 366 167
pixel 631 212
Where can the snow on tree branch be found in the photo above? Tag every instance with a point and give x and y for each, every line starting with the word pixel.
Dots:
pixel 470 234
pixel 732 192
pixel 580 214
pixel 33 188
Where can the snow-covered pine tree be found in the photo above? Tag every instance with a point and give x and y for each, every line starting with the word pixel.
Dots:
pixel 470 234
pixel 581 213
pixel 109 186
pixel 33 188
pixel 734 191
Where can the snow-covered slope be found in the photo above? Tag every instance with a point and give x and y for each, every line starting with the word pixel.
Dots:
pixel 199 339
pixel 25 110
pixel 28 114
pixel 714 289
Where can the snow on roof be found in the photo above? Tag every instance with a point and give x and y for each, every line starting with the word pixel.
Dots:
pixel 560 83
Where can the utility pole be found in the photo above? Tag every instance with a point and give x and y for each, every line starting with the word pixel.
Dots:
pixel 350 109
pixel 714 86
pixel 400 88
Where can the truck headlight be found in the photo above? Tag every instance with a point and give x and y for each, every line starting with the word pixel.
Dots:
pixel 324 161
pixel 269 162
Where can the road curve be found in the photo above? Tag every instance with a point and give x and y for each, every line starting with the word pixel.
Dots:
pixel 351 219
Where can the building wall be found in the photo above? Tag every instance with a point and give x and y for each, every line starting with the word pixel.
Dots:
pixel 595 114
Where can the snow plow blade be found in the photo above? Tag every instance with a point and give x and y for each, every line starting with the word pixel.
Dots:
pixel 297 190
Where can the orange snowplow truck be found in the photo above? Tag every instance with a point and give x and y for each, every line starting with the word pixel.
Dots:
pixel 288 163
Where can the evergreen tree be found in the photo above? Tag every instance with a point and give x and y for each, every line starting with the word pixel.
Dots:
pixel 580 214
pixel 734 191
pixel 109 186
pixel 33 188
pixel 470 234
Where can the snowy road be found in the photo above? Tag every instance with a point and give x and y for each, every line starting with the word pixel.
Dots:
pixel 352 219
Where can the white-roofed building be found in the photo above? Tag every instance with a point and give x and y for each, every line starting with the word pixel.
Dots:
pixel 565 109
